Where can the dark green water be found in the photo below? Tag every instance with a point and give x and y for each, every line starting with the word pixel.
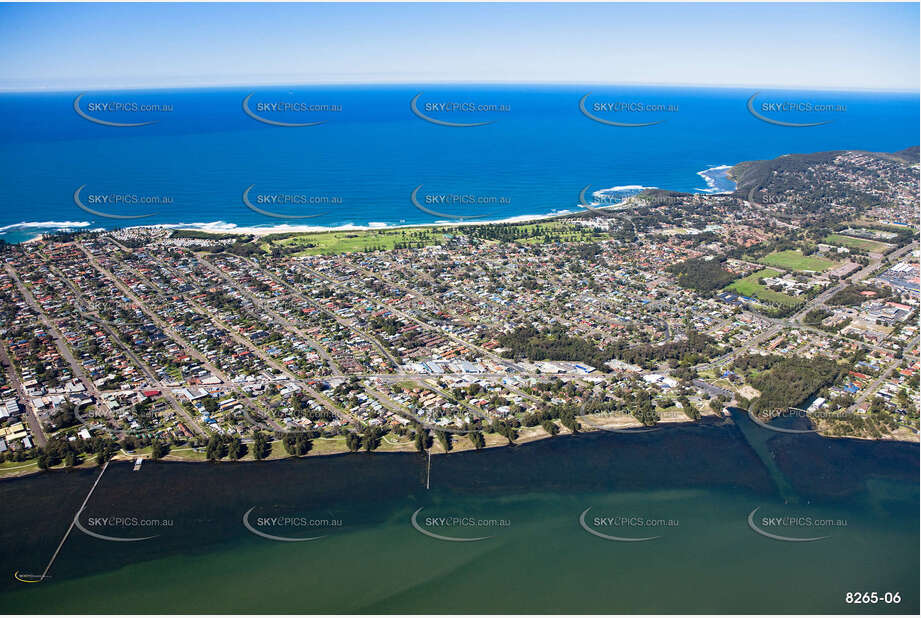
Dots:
pixel 692 486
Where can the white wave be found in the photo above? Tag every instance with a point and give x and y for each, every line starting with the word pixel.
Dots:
pixel 711 176
pixel 219 227
pixel 24 225
pixel 625 188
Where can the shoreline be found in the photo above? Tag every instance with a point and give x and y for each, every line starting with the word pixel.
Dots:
pixel 624 424
pixel 527 435
pixel 225 227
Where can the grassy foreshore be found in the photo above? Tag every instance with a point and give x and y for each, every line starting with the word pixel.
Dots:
pixel 389 444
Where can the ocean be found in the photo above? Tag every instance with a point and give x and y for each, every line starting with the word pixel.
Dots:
pixel 369 150
pixel 699 502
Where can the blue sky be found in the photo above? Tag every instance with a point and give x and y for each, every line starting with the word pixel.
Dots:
pixel 65 46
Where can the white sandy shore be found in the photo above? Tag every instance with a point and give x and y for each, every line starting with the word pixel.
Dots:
pixel 222 227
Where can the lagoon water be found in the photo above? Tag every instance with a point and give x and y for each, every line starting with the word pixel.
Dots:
pixel 692 486
pixel 361 164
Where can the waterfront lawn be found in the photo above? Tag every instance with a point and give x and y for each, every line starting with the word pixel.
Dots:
pixel 749 286
pixel 794 260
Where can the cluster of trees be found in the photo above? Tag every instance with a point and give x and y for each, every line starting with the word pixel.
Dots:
pixel 241 248
pixel 815 316
pixel 159 450
pixel 72 453
pixel 368 440
pixel 875 424
pixel 787 382
pixel 219 447
pixel 702 275
pixel 510 232
pixel 851 295
pixel 262 445
pixel 698 347
pixel 62 417
pixel 807 183
pixel 506 429
pixel 587 252
pixel 641 405
pixel 553 344
pixel 423 440
pixel 296 445
pixel 389 324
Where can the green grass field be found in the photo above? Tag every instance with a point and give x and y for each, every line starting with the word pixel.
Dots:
pixel 749 286
pixel 856 243
pixel 329 243
pixel 795 260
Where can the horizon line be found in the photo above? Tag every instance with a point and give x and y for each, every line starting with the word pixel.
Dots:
pixel 53 89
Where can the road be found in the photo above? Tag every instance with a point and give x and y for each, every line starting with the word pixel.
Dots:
pixel 259 352
pixel 257 302
pixel 795 321
pixel 346 323
pixel 59 341
pixel 871 390
pixel 35 423
pixel 138 362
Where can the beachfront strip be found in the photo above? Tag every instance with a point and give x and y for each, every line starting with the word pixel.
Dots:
pixel 668 307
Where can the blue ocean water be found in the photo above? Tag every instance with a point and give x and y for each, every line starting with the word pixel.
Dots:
pixel 370 152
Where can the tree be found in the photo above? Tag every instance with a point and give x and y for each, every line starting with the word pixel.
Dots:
pixel 158 450
pixel 423 439
pixel 216 449
pixel 550 427
pixel 716 405
pixel 478 440
pixel 371 439
pixel 444 438
pixel 297 445
pixel 353 442
pixel 44 460
pixel 689 410
pixel 261 446
pixel 568 419
pixel 129 443
pixel 236 450
pixel 506 430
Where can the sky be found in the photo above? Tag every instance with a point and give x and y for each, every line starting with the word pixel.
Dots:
pixel 75 46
